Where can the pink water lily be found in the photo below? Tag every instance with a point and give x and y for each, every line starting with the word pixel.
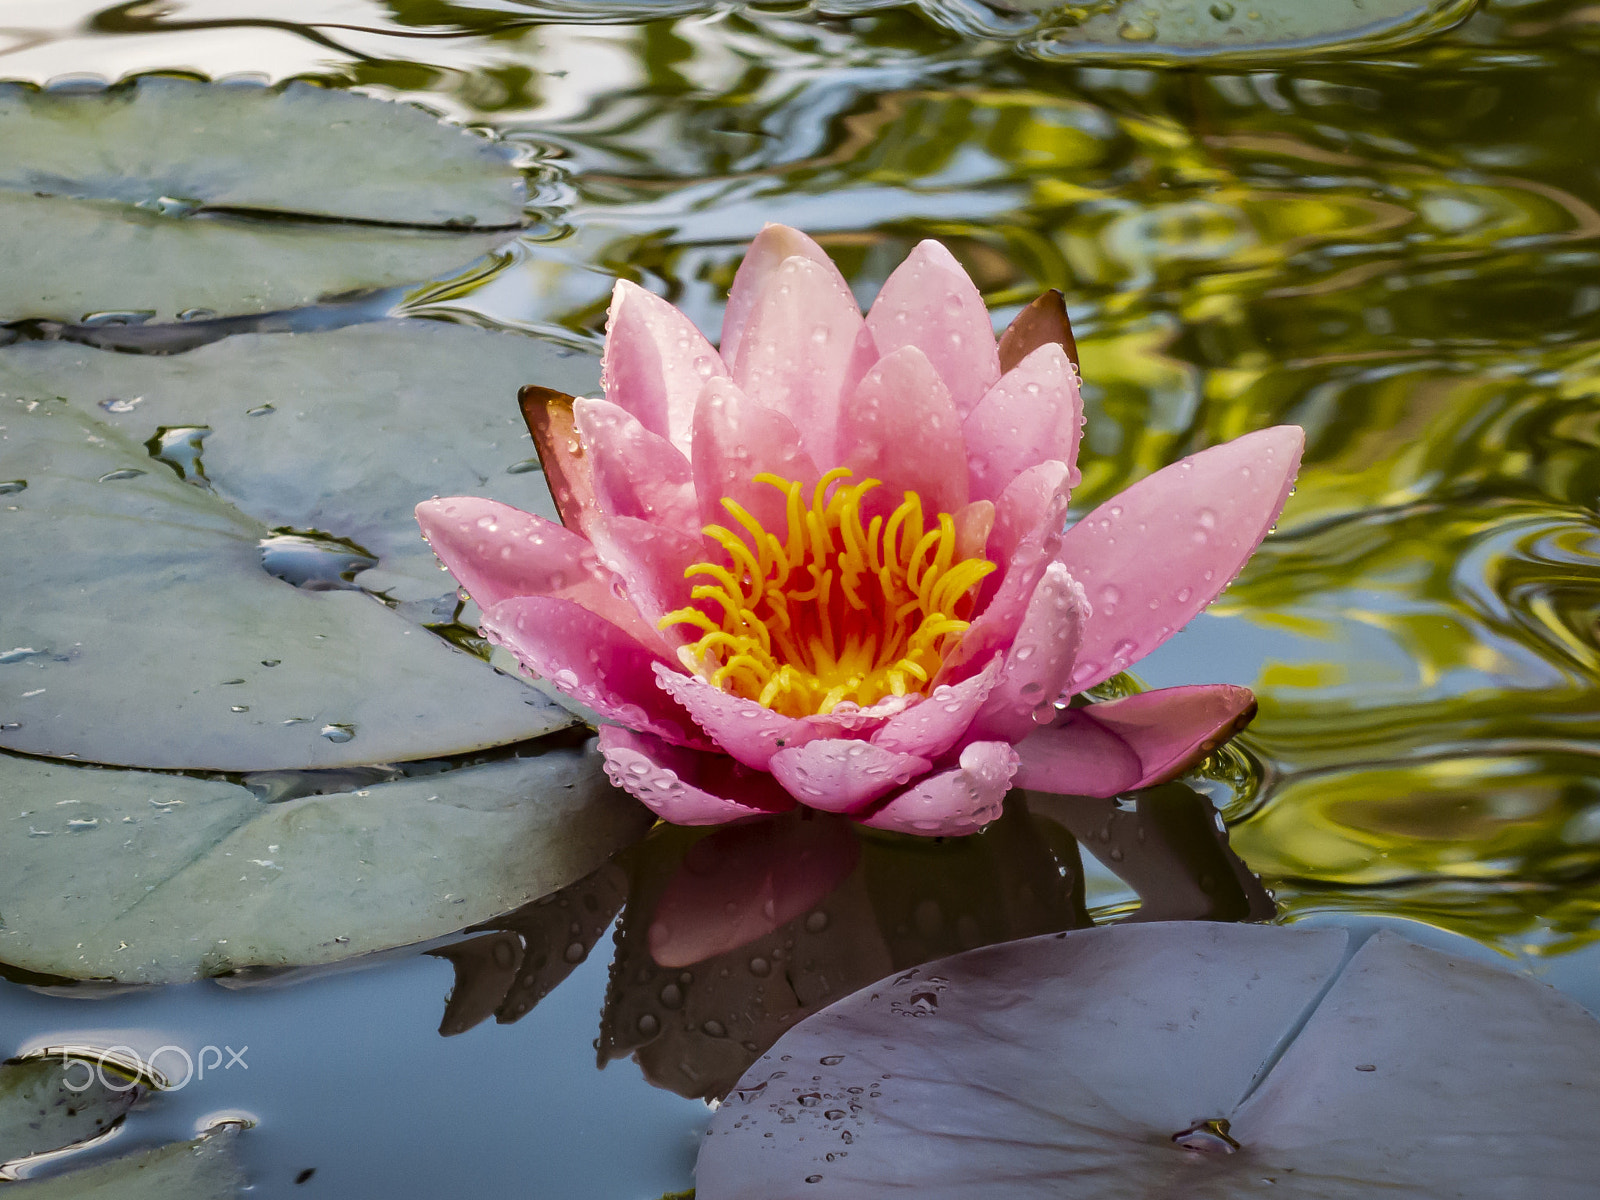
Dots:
pixel 826 565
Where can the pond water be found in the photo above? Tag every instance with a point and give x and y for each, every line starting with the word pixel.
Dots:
pixel 1397 248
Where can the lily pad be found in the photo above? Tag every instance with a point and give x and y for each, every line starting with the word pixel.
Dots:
pixel 1164 1059
pixel 1218 32
pixel 168 195
pixel 144 629
pixel 48 1104
pixel 152 878
pixel 202 1169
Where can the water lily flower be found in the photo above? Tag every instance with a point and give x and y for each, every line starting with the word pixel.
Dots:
pixel 826 564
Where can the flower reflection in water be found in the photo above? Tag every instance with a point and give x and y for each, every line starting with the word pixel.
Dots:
pixel 729 937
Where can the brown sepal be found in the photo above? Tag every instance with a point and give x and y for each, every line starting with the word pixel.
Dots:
pixel 566 468
pixel 1043 321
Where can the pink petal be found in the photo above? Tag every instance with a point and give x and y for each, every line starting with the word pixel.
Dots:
pixel 650 560
pixel 761 262
pixel 687 787
pixel 842 774
pixel 929 302
pixel 1134 742
pixel 1033 414
pixel 1078 757
pixel 497 552
pixel 1033 506
pixel 1025 539
pixel 901 428
pixel 1156 554
pixel 655 362
pixel 956 802
pixel 974 524
pixel 850 719
pixel 736 439
pixel 1172 728
pixel 995 628
pixel 934 725
pixel 743 882
pixel 750 733
pixel 1038 661
pixel 636 473
pixel 590 660
pixel 804 348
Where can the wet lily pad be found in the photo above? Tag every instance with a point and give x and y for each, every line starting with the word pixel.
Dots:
pixel 154 878
pixel 1226 31
pixel 47 1104
pixel 168 195
pixel 202 1169
pixel 146 629
pixel 343 431
pixel 1164 1059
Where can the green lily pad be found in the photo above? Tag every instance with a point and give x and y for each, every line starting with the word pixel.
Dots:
pixel 1223 31
pixel 343 431
pixel 1183 1059
pixel 152 878
pixel 202 1169
pixel 168 195
pixel 144 629
pixel 47 1104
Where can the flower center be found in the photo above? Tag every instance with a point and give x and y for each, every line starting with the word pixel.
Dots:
pixel 835 611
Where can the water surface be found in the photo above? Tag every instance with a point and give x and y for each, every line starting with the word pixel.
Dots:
pixel 1398 251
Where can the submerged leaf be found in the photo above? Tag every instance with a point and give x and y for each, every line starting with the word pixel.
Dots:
pixel 1201 1059
pixel 1183 31
pixel 169 195
pixel 159 635
pixel 48 1103
pixel 202 1169
pixel 156 878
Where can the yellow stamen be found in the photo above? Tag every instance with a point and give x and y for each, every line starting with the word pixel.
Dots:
pixel 830 612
